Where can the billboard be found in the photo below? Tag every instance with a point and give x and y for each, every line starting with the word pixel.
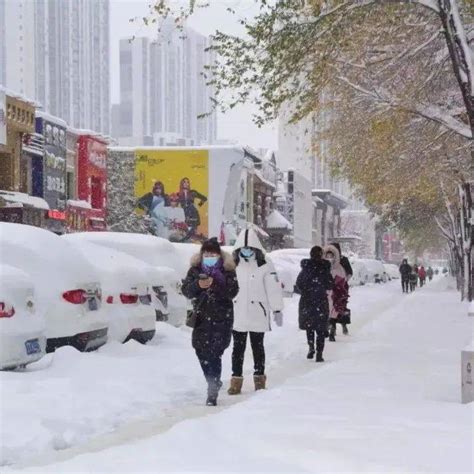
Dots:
pixel 186 192
pixel 3 118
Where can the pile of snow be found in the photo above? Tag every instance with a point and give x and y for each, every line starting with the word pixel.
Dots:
pixel 275 220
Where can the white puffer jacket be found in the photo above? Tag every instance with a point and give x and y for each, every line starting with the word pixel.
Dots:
pixel 260 292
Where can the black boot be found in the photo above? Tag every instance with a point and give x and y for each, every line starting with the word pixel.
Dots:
pixel 332 332
pixel 310 352
pixel 319 357
pixel 345 331
pixel 213 387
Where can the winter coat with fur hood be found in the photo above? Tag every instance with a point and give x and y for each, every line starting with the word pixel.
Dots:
pixel 340 292
pixel 214 307
pixel 260 292
pixel 313 284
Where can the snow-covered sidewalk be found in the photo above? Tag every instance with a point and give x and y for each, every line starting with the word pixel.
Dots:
pixel 387 399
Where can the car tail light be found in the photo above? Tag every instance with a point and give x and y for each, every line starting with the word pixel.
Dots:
pixel 110 299
pixel 145 299
pixel 75 296
pixel 6 311
pixel 128 299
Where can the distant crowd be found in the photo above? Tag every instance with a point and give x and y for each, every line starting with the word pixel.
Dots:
pixel 413 276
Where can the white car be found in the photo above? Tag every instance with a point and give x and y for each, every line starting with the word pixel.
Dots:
pixel 376 270
pixel 288 265
pixel 22 327
pixel 126 293
pixel 67 287
pixel 360 273
pixel 157 252
pixel 392 271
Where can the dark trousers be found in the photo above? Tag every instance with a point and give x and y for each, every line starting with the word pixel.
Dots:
pixel 212 369
pixel 405 284
pixel 238 352
pixel 321 329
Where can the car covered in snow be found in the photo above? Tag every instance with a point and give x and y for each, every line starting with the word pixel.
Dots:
pixel 67 287
pixel 288 266
pixel 360 275
pixel 392 271
pixel 22 327
pixel 376 270
pixel 126 291
pixel 160 254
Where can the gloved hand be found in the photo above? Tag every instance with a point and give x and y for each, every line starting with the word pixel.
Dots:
pixel 278 318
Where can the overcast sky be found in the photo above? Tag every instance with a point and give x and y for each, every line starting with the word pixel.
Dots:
pixel 237 124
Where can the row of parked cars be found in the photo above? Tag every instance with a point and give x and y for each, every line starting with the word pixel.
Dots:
pixel 82 290
pixel 366 270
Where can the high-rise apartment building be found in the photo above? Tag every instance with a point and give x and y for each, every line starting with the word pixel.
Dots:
pixel 57 52
pixel 163 90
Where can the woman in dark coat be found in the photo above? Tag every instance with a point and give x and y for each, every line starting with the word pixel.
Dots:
pixel 314 284
pixel 187 196
pixel 212 284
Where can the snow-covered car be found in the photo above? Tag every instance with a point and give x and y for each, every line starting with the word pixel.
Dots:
pixel 157 252
pixel 126 291
pixel 360 273
pixel 392 271
pixel 67 288
pixel 22 327
pixel 288 265
pixel 376 270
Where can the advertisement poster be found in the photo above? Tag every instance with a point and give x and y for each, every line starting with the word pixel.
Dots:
pixel 3 118
pixel 172 189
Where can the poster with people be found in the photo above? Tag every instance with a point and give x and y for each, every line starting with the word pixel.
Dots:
pixel 171 189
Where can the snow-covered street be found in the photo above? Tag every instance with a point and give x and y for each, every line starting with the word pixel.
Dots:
pixel 387 399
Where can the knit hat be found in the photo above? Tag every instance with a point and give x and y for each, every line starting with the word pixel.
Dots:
pixel 211 245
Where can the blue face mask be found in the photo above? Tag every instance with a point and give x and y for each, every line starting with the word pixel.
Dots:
pixel 210 261
pixel 247 252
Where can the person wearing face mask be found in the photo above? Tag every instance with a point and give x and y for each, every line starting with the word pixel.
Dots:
pixel 339 295
pixel 260 295
pixel 212 284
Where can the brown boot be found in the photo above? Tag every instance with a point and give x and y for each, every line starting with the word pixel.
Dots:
pixel 260 382
pixel 235 385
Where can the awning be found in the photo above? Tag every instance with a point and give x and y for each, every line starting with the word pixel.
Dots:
pixel 21 199
pixel 331 198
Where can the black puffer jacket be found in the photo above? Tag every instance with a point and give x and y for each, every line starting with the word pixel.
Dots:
pixel 312 284
pixel 215 309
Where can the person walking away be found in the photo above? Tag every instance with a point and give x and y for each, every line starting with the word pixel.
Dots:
pixel 405 272
pixel 422 275
pixel 212 284
pixel 314 283
pixel 260 295
pixel 413 279
pixel 339 295
pixel 349 273
pixel 429 273
pixel 415 268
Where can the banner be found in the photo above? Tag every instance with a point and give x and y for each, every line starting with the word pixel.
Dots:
pixel 3 118
pixel 172 189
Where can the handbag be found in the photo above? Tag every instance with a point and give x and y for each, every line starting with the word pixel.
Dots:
pixel 345 318
pixel 191 317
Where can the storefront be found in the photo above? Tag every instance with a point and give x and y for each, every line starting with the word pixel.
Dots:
pixel 88 212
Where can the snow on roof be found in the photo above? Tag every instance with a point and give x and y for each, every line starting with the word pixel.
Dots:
pixel 259 174
pixel 50 118
pixel 77 203
pixel 275 220
pixel 17 95
pixel 86 131
pixel 24 199
pixel 190 148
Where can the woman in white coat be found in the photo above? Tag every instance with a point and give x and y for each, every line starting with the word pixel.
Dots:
pixel 259 296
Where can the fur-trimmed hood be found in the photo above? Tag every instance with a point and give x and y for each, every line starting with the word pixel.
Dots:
pixel 334 251
pixel 228 261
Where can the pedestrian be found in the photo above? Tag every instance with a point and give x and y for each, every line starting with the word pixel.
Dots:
pixel 422 275
pixel 339 294
pixel 429 273
pixel 314 284
pixel 349 272
pixel 260 295
pixel 212 284
pixel 405 272
pixel 413 278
